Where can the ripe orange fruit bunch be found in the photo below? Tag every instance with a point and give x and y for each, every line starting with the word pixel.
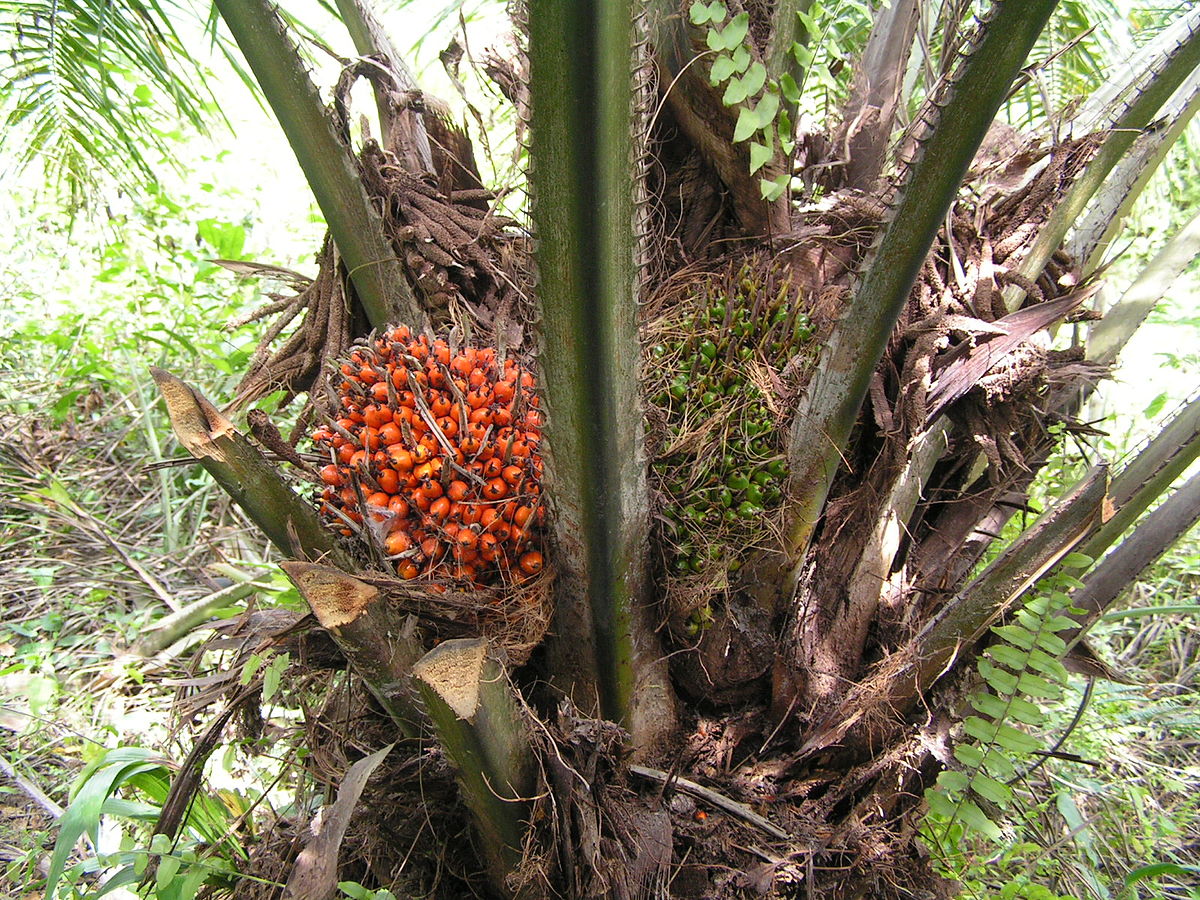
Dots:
pixel 436 452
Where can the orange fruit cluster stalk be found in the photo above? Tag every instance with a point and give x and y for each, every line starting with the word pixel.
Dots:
pixel 436 451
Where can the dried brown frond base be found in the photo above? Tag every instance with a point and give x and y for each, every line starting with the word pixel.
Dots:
pixel 514 618
pixel 469 267
pixel 327 325
pixel 599 828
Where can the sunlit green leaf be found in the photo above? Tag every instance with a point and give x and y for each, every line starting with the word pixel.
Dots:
pixel 760 155
pixel 273 673
pixel 122 878
pixel 1001 681
pixel 787 142
pixel 991 789
pixel 736 91
pixel 1155 406
pixel 168 867
pixel 250 668
pixel 997 764
pixel 65 88
pixel 1036 686
pixel 789 88
pixel 736 31
pixel 1156 870
pixel 773 189
pixel 731 36
pixel 1016 635
pixel 952 781
pixel 755 78
pixel 1013 657
pixel 766 109
pixel 1048 665
pixel 998 733
pixel 746 125
pixel 969 755
pixel 939 803
pixel 978 820
pixel 97 783
pixel 741 58
pixel 722 68
pixel 1059 623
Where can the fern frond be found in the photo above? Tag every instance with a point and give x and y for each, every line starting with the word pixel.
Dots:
pixel 1023 665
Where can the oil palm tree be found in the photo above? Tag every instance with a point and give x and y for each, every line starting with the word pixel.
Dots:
pixel 797 377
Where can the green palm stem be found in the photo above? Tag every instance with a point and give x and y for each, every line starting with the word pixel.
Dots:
pixel 326 162
pixel 1091 240
pixel 1105 341
pixel 1107 336
pixel 481 725
pixel 959 121
pixel 249 478
pixel 982 601
pixel 604 648
pixel 1153 537
pixel 162 633
pixel 1110 100
pixel 379 642
pixel 1147 476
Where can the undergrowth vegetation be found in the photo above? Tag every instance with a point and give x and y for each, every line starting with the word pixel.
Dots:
pixel 1107 807
pixel 1094 789
pixel 100 540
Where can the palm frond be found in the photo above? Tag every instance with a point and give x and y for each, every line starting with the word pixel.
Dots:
pixel 956 124
pixel 92 87
pixel 1093 237
pixel 1126 116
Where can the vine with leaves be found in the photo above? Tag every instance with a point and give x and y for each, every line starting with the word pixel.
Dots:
pixel 762 103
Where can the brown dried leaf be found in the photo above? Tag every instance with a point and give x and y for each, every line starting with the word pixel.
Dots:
pixel 314 877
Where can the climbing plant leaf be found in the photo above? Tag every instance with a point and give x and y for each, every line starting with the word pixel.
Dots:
pixel 722 69
pixel 760 155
